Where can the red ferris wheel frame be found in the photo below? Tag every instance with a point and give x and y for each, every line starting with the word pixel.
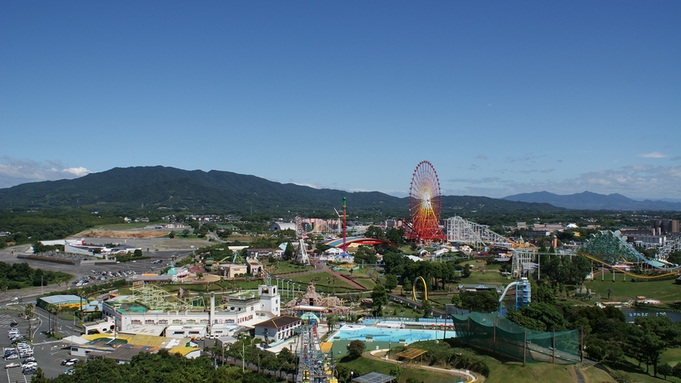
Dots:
pixel 425 205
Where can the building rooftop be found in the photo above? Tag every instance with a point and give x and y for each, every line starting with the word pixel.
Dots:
pixel 278 322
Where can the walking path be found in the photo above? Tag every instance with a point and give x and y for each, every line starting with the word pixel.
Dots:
pixel 349 281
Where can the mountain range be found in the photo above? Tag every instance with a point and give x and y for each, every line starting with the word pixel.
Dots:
pixel 170 189
pixel 175 190
pixel 593 201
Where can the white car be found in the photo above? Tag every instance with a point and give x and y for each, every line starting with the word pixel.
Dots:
pixel 29 365
pixel 12 365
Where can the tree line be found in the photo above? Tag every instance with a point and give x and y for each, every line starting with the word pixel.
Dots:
pixel 152 368
pixel 20 275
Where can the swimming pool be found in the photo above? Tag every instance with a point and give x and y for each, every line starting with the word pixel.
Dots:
pixel 378 334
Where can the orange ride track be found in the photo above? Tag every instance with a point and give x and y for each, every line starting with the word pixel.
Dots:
pixel 634 275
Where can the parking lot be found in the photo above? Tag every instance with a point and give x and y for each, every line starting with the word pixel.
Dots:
pixel 48 353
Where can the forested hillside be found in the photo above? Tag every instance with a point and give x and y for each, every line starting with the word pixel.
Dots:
pixel 170 190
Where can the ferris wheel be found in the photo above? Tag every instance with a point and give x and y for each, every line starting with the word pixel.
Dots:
pixel 425 204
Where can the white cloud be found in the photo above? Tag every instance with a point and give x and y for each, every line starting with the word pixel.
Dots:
pixel 15 171
pixel 653 155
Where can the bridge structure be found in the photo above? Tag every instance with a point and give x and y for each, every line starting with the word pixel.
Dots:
pixel 463 231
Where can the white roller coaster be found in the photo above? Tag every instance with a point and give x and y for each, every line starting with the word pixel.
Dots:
pixel 462 231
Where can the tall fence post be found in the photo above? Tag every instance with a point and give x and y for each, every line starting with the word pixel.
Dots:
pixel 525 349
pixel 581 344
pixel 553 347
pixel 494 340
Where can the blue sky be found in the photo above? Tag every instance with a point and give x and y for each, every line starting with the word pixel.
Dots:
pixel 501 97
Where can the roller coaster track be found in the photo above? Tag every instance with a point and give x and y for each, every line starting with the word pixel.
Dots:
pixel 671 271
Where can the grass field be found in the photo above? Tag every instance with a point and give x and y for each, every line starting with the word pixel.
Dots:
pixel 361 366
pixel 500 372
pixel 663 290
pixel 368 283
pixel 321 282
pixel 285 267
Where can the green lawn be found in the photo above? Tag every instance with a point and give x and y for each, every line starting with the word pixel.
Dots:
pixel 361 366
pixel 396 310
pixel 486 277
pixel 671 356
pixel 321 282
pixel 663 290
pixel 125 226
pixel 286 267
pixel 368 283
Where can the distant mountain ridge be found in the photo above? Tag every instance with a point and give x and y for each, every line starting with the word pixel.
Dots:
pixel 169 189
pixel 593 201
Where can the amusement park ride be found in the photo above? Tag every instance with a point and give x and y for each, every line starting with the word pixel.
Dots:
pixel 313 365
pixel 425 205
pixel 607 248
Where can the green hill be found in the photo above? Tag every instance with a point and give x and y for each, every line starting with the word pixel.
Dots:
pixel 175 190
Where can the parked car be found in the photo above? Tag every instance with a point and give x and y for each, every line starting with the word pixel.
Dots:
pixel 12 356
pixel 29 370
pixel 29 365
pixel 12 365
pixel 28 360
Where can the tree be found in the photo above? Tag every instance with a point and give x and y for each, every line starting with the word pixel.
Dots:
pixel 407 286
pixel 288 252
pixel 137 253
pixel 665 370
pixel 53 309
pixel 396 236
pixel 481 301
pixel 390 282
pixel 653 336
pixel 355 349
pixel 374 232
pixel 29 314
pixel 379 298
pixel 676 371
pixel 366 254
pixel 331 321
pixel 427 308
pixel 675 257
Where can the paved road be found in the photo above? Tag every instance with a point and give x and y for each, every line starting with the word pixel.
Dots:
pixel 27 295
pixel 47 352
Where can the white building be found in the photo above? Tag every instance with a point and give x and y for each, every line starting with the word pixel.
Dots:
pixel 242 309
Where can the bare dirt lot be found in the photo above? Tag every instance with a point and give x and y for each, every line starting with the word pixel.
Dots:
pixel 125 234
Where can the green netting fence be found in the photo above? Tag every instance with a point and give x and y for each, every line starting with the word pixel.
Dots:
pixel 495 333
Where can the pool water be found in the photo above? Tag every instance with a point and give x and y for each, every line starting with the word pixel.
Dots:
pixel 379 334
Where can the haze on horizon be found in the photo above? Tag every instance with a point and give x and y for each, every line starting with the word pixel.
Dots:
pixel 502 98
